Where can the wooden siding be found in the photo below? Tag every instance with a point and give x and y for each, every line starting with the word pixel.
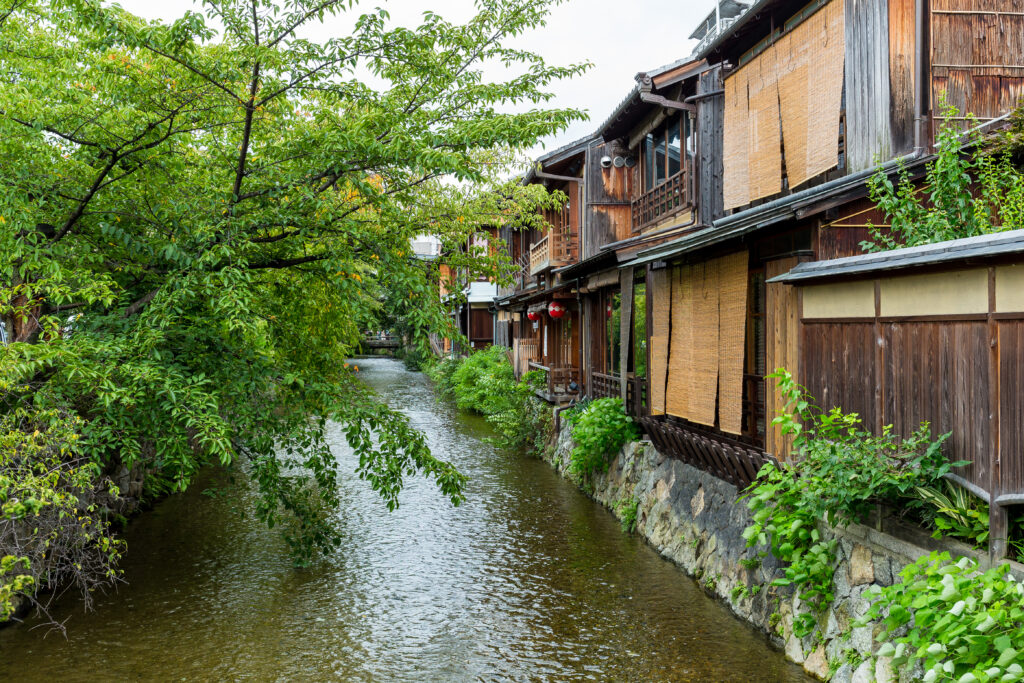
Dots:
pixel 1011 405
pixel 901 75
pixel 782 350
pixel 867 83
pixel 977 56
pixel 938 372
pixel 608 191
pixel 837 365
pixel 710 122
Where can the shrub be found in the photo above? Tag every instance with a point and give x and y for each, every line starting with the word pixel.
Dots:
pixel 485 383
pixel 963 625
pixel 842 471
pixel 599 430
pixel 52 528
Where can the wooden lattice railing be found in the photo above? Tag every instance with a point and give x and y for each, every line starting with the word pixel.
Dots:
pixel 663 200
pixel 604 385
pixel 732 461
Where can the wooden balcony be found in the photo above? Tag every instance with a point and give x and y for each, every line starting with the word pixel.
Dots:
pixel 663 201
pixel 558 380
pixel 557 248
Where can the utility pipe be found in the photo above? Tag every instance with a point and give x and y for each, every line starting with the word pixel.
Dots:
pixel 918 76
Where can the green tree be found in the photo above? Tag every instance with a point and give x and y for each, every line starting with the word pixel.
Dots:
pixel 194 223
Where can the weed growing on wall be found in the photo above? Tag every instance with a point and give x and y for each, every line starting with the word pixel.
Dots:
pixel 842 471
pixel 599 430
pixel 965 193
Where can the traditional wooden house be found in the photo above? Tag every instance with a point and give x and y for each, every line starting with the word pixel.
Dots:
pixel 542 309
pixel 931 333
pixel 814 96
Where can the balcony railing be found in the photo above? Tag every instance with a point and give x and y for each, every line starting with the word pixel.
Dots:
pixel 527 351
pixel 557 248
pixel 605 386
pixel 558 378
pixel 664 200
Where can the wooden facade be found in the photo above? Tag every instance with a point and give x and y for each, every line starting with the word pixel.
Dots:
pixel 719 175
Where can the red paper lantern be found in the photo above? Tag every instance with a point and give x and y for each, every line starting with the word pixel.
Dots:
pixel 608 310
pixel 532 315
pixel 556 310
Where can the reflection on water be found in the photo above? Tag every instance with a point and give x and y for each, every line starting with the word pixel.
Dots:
pixel 529 580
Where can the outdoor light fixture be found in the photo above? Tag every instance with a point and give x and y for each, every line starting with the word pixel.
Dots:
pixel 556 310
pixel 608 310
pixel 532 315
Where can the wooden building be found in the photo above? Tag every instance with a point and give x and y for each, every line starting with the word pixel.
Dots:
pixel 722 177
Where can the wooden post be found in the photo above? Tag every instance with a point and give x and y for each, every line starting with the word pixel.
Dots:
pixel 625 327
pixel 998 523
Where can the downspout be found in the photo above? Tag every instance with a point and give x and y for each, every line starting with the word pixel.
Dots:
pixel 918 77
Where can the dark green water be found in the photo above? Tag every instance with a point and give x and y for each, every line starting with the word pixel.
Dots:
pixel 529 580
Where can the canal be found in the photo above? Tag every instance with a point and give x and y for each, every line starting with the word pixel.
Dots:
pixel 528 580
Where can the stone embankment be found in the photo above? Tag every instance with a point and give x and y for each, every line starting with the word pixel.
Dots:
pixel 695 520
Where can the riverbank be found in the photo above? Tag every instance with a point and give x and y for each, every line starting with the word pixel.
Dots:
pixel 695 520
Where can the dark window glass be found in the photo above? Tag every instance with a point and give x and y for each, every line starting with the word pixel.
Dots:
pixel 660 154
pixel 674 148
pixel 649 161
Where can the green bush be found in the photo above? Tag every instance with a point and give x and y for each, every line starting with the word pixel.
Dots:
pixel 599 430
pixel 485 383
pixel 842 472
pixel 963 625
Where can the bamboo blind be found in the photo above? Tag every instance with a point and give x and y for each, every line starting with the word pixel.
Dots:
pixel 736 185
pixel 706 350
pixel 790 94
pixel 763 131
pixel 732 317
pixel 677 390
pixel 660 293
pixel 703 375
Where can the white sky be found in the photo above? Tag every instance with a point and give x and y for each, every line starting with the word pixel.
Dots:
pixel 619 37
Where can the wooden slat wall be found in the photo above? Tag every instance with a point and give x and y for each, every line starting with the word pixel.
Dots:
pixel 608 216
pixel 710 121
pixel 782 329
pixel 867 83
pixel 837 365
pixel 1011 405
pixel 977 55
pixel 939 372
pixel 901 76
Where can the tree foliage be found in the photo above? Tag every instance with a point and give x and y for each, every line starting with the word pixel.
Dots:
pixel 195 222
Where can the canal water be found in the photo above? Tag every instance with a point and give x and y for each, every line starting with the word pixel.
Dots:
pixel 528 580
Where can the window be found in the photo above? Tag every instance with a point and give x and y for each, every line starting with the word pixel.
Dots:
pixel 664 150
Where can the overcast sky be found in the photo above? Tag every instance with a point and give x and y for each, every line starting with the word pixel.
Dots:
pixel 619 37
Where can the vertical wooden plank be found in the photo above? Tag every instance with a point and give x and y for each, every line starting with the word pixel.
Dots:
pixel 782 348
pixel 998 518
pixel 625 328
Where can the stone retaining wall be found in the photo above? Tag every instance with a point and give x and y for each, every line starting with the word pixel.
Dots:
pixel 694 519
